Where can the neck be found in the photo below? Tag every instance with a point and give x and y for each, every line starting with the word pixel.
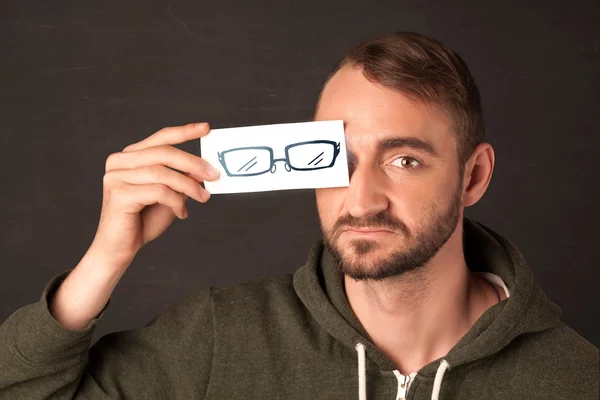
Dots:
pixel 418 317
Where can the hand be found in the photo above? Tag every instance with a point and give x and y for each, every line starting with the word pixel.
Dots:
pixel 143 192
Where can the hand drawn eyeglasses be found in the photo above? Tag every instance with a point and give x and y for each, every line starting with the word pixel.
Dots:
pixel 302 156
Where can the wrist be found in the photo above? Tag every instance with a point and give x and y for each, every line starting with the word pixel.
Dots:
pixel 85 292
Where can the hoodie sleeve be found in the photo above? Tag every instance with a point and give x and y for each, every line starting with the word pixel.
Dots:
pixel 169 358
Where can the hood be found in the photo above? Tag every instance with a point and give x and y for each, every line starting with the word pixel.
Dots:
pixel 319 284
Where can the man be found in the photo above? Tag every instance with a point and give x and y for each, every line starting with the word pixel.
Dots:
pixel 404 299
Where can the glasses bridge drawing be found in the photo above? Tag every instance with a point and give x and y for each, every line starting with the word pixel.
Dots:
pixel 302 156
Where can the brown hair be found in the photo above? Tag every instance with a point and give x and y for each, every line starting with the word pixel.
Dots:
pixel 424 69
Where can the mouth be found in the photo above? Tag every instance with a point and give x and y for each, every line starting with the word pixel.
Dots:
pixel 367 231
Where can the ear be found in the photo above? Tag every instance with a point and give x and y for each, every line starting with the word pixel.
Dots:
pixel 478 174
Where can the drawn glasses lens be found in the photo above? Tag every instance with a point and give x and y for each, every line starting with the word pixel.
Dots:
pixel 248 161
pixel 312 155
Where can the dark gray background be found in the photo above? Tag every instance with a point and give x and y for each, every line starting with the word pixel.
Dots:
pixel 83 79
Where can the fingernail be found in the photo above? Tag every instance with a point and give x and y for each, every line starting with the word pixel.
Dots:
pixel 200 125
pixel 213 173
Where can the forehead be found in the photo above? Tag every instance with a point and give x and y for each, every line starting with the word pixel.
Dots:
pixel 372 112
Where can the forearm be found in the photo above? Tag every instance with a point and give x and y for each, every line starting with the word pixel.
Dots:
pixel 168 358
pixel 85 292
pixel 38 356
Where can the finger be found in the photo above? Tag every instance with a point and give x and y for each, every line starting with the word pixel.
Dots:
pixel 195 177
pixel 133 198
pixel 158 174
pixel 171 135
pixel 163 155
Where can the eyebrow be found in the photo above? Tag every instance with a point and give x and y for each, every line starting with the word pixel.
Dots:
pixel 407 141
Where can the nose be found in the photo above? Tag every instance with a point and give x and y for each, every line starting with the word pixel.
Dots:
pixel 365 195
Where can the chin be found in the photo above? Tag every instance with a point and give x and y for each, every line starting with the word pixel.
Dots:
pixel 360 258
pixel 375 260
pixel 352 267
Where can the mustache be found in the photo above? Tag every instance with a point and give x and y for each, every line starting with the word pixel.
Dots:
pixel 382 220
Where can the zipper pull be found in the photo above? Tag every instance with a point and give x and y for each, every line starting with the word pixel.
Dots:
pixel 403 384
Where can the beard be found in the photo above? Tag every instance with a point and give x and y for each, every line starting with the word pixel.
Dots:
pixel 412 254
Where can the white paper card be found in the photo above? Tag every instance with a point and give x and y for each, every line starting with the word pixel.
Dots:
pixel 300 155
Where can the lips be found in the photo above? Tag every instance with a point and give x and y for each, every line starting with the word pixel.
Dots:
pixel 366 230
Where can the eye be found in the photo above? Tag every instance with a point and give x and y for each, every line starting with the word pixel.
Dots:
pixel 406 162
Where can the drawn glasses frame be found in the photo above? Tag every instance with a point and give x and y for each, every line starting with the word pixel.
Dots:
pixel 288 165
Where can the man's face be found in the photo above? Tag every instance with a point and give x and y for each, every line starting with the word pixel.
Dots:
pixel 403 202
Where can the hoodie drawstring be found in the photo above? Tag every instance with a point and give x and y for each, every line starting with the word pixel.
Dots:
pixel 362 375
pixel 437 382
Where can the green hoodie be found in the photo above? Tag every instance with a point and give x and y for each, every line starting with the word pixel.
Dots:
pixel 296 337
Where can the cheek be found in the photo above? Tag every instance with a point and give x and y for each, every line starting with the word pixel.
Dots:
pixel 407 194
pixel 329 203
pixel 414 199
pixel 434 199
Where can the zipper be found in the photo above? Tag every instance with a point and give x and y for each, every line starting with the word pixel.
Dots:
pixel 404 382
